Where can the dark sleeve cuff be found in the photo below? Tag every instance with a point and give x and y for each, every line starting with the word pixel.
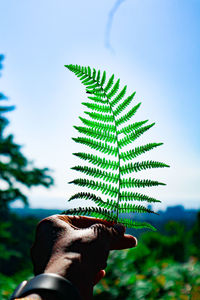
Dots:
pixel 48 282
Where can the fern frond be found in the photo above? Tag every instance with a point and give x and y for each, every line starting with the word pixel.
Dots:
pixel 95 185
pixel 140 166
pixel 135 224
pixel 104 126
pixel 99 146
pixel 93 212
pixel 107 176
pixel 128 155
pixel 130 196
pixel 100 117
pixel 128 115
pixel 132 137
pixel 97 134
pixel 132 182
pixel 123 105
pixel 98 108
pixel 131 127
pixel 108 115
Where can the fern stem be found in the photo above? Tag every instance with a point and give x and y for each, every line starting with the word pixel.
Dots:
pixel 117 141
pixel 118 154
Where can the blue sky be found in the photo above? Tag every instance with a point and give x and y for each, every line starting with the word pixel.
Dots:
pixel 156 46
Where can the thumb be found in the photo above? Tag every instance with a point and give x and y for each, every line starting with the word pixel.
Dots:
pixel 123 241
pixel 114 236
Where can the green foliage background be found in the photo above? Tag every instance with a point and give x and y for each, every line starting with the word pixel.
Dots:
pixel 17 173
pixel 164 265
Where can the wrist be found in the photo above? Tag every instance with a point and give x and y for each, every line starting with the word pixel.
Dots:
pixel 71 268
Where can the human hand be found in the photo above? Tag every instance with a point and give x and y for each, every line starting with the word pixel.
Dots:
pixel 77 248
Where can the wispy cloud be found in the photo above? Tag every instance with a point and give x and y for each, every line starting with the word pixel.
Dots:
pixel 110 22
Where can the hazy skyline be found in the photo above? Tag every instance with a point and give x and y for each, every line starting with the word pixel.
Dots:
pixel 156 53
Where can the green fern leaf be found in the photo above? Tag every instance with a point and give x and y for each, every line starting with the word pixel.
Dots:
pixel 91 85
pixel 139 166
pixel 97 133
pixel 130 128
pixel 109 113
pixel 86 196
pixel 114 90
pixel 132 137
pixel 139 183
pixel 127 207
pixel 98 76
pixel 107 176
pixel 98 92
pixel 97 99
pixel 89 71
pixel 99 146
pixel 100 117
pixel 128 155
pixel 130 196
pixel 92 212
pixel 95 185
pixel 94 74
pixel 103 126
pixel 135 224
pixel 87 81
pixel 103 79
pixel 96 107
pixel 109 84
pixel 109 204
pixel 118 97
pixel 128 116
pixel 100 162
pixel 123 105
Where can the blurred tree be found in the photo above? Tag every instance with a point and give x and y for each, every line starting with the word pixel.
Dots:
pixel 16 171
pixel 195 238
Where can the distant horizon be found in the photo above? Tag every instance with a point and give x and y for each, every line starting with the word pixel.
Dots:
pixel 156 207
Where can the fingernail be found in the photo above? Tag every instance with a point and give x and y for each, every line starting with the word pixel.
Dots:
pixel 120 228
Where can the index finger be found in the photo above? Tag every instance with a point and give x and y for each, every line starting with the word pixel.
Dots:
pixel 83 222
pixel 123 242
